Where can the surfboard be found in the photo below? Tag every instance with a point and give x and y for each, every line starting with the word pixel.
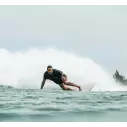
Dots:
pixel 87 87
pixel 91 88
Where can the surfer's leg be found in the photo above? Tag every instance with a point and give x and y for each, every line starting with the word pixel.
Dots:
pixel 61 84
pixel 64 87
pixel 70 83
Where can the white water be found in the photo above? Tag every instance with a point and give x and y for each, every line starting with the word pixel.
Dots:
pixel 26 69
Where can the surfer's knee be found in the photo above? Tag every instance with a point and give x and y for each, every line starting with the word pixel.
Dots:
pixel 66 88
pixel 63 79
pixel 62 86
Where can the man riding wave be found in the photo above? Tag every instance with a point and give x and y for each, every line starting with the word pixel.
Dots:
pixel 58 77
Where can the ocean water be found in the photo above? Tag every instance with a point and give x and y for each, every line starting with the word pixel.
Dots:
pixel 56 105
pixel 23 101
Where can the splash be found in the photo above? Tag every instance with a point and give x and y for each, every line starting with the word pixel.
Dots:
pixel 25 69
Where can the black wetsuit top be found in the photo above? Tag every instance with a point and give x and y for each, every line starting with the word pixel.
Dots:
pixel 55 76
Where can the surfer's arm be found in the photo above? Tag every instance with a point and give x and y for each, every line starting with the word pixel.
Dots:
pixel 64 75
pixel 43 82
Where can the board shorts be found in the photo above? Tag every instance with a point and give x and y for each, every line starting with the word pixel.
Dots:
pixel 58 81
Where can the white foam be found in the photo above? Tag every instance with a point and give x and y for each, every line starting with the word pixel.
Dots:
pixel 25 69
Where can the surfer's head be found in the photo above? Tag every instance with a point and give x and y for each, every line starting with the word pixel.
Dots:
pixel 49 69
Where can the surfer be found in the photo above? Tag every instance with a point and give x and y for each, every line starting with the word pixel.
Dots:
pixel 58 77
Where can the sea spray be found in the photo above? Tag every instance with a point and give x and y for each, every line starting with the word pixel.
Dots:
pixel 25 69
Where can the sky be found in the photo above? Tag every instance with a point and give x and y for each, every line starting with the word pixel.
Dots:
pixel 97 32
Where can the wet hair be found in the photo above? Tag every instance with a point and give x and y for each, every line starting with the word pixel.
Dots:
pixel 49 66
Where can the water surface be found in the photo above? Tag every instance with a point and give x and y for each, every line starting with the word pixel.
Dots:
pixel 32 105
